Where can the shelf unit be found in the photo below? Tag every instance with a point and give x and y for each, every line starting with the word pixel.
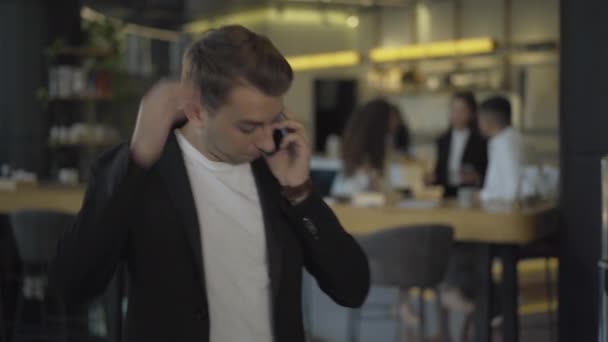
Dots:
pixel 82 114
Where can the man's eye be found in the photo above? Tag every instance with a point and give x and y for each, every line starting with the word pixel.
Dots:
pixel 247 129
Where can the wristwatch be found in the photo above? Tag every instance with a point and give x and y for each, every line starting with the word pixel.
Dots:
pixel 295 193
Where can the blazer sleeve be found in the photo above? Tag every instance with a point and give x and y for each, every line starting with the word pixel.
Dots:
pixel 442 160
pixel 90 250
pixel 476 154
pixel 331 255
pixel 482 158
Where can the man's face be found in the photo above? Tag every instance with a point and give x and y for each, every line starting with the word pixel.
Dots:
pixel 241 130
pixel 486 124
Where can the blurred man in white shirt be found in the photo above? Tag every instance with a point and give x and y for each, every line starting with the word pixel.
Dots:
pixel 501 184
pixel 505 151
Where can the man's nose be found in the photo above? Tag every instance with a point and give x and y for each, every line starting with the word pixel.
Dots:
pixel 264 140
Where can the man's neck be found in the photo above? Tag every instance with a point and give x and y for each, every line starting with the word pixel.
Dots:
pixel 461 129
pixel 500 130
pixel 196 140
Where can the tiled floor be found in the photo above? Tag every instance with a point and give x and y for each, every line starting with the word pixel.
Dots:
pixel 328 321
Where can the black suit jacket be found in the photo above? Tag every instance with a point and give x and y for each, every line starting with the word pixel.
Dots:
pixel 475 154
pixel 147 218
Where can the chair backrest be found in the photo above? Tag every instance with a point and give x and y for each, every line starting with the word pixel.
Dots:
pixel 409 256
pixel 37 233
pixel 323 171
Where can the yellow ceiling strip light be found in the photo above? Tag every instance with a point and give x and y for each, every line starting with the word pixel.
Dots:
pixel 324 60
pixel 243 18
pixel 289 15
pixel 449 48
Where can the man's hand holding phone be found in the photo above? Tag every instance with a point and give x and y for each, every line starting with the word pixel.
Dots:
pixel 290 163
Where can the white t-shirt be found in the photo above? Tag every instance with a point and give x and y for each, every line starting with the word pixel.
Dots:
pixel 234 247
pixel 458 143
pixel 505 162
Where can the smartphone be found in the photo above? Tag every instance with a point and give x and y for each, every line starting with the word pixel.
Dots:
pixel 278 134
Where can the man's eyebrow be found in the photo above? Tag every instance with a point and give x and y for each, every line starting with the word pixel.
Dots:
pixel 251 122
pixel 278 116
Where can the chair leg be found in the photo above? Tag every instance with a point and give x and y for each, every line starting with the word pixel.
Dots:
pixel 444 329
pixel 354 324
pixel 44 326
pixel 421 308
pixel 3 325
pixel 466 327
pixel 549 288
pixel 399 326
pixel 18 312
pixel 63 314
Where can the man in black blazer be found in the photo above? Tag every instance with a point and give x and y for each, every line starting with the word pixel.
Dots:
pixel 145 207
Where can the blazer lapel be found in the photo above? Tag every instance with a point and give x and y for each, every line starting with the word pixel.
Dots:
pixel 467 154
pixel 269 194
pixel 173 172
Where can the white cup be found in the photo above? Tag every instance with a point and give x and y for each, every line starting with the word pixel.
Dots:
pixel 466 197
pixel 68 176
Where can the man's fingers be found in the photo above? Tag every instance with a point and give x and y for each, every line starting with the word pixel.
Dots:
pixel 295 140
pixel 291 126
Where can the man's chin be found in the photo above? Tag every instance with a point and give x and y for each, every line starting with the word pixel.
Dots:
pixel 246 158
pixel 253 158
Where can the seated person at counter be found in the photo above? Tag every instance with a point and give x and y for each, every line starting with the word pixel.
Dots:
pixel 462 155
pixel 400 133
pixel 368 139
pixel 214 220
pixel 505 151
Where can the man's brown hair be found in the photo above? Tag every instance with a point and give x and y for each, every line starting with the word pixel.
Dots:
pixel 233 55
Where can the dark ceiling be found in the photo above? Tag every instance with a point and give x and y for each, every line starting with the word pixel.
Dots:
pixel 173 13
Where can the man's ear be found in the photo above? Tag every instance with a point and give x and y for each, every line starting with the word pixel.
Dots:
pixel 192 107
pixel 195 113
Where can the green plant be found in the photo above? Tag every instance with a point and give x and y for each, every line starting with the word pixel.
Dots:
pixel 104 36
